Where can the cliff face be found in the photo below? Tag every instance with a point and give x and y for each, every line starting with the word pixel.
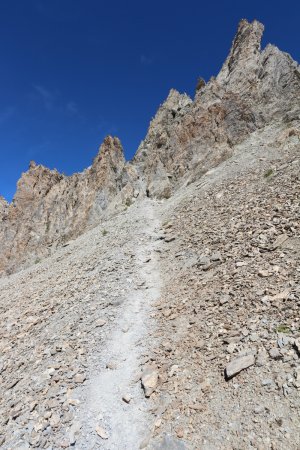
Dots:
pixel 185 139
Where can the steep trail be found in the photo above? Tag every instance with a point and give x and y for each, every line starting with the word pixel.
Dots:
pixel 126 422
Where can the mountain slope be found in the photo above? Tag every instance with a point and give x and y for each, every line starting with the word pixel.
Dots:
pixel 185 139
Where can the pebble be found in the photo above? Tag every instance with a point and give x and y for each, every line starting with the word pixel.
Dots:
pixel 112 365
pixel 102 432
pixel 80 378
pixel 266 382
pixel 264 273
pixel 224 299
pixel 126 398
pixel 100 323
pixel 275 353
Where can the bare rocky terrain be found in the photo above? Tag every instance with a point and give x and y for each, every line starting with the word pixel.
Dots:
pixel 155 303
pixel 231 265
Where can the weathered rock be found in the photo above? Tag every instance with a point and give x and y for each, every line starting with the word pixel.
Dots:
pixel 126 398
pixel 149 380
pixel 279 241
pixel 102 432
pixel 239 364
pixel 275 353
pixel 79 378
pixel 100 323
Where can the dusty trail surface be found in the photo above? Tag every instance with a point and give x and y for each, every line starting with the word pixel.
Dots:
pixel 113 395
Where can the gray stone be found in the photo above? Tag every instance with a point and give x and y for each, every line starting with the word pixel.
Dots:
pixel 216 256
pixel 275 353
pixel 170 443
pixel 203 261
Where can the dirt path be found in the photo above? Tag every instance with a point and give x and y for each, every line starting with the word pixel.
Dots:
pixel 125 423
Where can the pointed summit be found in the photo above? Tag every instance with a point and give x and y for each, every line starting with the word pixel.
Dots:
pixel 241 64
pixel 110 155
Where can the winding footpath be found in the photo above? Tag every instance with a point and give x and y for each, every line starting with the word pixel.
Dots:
pixel 114 403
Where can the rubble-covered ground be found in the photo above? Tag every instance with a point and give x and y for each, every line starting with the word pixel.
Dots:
pixel 121 339
pixel 231 264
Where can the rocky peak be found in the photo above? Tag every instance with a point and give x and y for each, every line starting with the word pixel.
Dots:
pixel 261 78
pixel 3 206
pixel 188 137
pixel 242 62
pixel 110 157
pixel 105 173
pixel 175 100
pixel 172 107
pixel 49 208
pixel 32 164
pixel 34 184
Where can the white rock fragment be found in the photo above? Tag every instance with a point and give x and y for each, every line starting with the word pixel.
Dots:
pixel 149 380
pixel 279 241
pixel 101 432
pixel 126 398
pixel 238 364
pixel 100 322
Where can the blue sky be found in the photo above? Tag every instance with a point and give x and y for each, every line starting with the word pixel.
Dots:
pixel 73 71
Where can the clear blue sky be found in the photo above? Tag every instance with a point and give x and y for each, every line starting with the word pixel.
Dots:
pixel 73 71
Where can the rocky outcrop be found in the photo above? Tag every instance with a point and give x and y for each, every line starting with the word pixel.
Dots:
pixel 185 139
pixel 3 206
pixel 253 88
pixel 50 208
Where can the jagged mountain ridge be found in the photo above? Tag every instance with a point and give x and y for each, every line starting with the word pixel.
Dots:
pixel 185 139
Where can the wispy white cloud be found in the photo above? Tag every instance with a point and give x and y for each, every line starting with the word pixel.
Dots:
pixel 51 100
pixel 107 127
pixel 72 108
pixel 47 97
pixel 146 60
pixel 6 114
